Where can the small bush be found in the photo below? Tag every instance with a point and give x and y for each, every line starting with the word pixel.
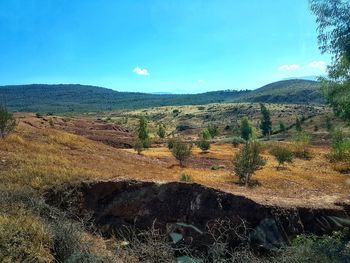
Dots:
pixel 217 167
pixel 213 130
pixel 181 151
pixel 247 161
pixel 185 178
pixel 301 145
pixel 247 131
pixel 204 145
pixel 236 141
pixel 340 147
pixel 138 146
pixel 171 143
pixel 282 155
pixel 161 131
pixel 205 134
pixel 7 122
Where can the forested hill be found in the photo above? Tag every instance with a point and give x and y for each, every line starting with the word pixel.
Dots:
pixel 84 98
pixel 286 91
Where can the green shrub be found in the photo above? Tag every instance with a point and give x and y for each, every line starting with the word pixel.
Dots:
pixel 138 146
pixel 213 130
pixel 161 131
pixel 282 155
pixel 236 141
pixel 246 129
pixel 217 167
pixel 340 147
pixel 301 145
pixel 171 143
pixel 282 127
pixel 205 134
pixel 7 122
pixel 181 151
pixel 247 161
pixel 185 178
pixel 204 145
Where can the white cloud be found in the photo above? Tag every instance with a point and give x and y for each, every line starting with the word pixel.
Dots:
pixel 200 81
pixel 289 67
pixel 141 71
pixel 321 65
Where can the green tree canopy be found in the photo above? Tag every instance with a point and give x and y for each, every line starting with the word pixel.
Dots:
pixel 265 124
pixel 246 129
pixel 142 132
pixel 332 17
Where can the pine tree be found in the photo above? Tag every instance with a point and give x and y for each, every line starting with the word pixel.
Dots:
pixel 265 124
pixel 246 129
pixel 298 125
pixel 142 132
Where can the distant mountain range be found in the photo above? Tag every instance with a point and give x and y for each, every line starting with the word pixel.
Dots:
pixel 63 98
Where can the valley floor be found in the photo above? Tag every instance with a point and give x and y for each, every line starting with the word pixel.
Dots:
pixel 44 157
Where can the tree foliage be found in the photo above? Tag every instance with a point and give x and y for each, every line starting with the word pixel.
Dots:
pixel 205 134
pixel 265 123
pixel 332 17
pixel 213 130
pixel 7 122
pixel 203 144
pixel 282 155
pixel 246 129
pixel 161 131
pixel 247 161
pixel 142 132
pixel 298 127
pixel 181 150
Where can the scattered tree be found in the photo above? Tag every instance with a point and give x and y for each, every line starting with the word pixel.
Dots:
pixel 282 127
pixel 213 130
pixel 138 146
pixel 171 143
pixel 301 145
pixel 246 129
pixel 340 147
pixel 161 131
pixel 205 134
pixel 298 127
pixel 142 132
pixel 247 161
pixel 236 141
pixel 329 125
pixel 282 155
pixel 265 122
pixel 181 151
pixel 332 17
pixel 203 144
pixel 7 122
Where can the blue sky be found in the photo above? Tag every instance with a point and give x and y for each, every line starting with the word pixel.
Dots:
pixel 182 46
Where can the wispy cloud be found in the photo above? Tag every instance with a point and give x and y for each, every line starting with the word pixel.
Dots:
pixel 321 65
pixel 141 71
pixel 289 67
pixel 200 81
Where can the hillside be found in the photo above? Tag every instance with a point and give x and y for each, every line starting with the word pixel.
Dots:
pixel 84 98
pixel 286 91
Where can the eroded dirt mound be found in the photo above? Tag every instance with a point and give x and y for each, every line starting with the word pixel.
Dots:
pixel 115 204
pixel 97 130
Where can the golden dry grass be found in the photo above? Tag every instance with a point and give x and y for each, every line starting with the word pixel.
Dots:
pixel 45 157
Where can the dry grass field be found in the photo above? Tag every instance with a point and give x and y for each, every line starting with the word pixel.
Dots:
pixel 39 156
pixel 43 157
